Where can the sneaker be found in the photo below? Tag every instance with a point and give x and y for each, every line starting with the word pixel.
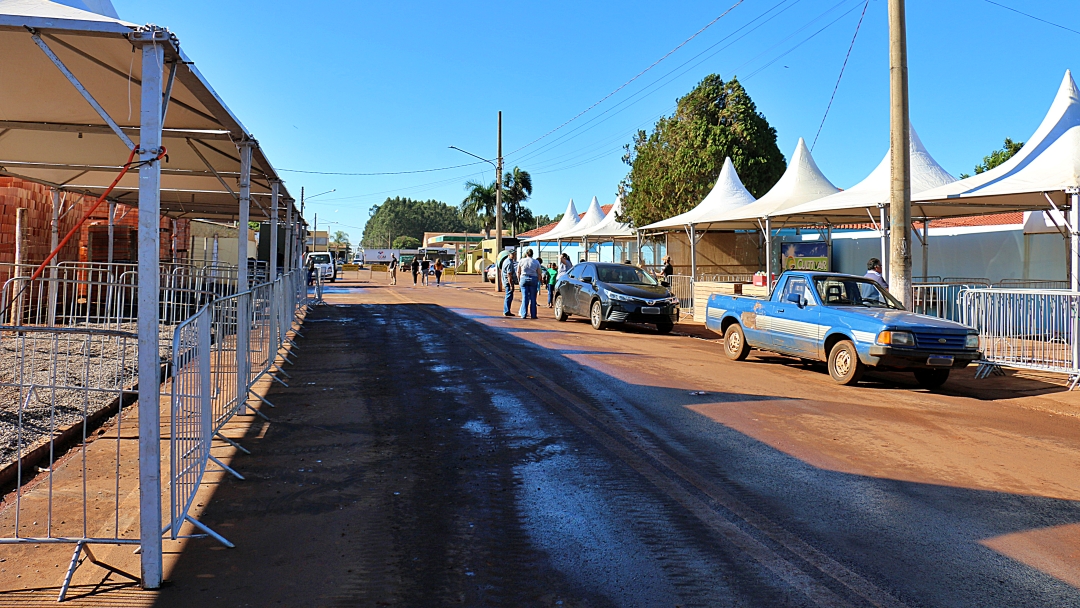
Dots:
pixel 508 314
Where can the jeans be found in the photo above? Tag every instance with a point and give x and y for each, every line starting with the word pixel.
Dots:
pixel 528 298
pixel 551 295
pixel 509 298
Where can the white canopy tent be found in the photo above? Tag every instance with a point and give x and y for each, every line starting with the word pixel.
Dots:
pixel 802 182
pixel 80 87
pixel 594 215
pixel 726 195
pixel 857 204
pixel 569 220
pixel 1044 174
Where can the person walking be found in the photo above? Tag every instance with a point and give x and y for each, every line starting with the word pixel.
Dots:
pixel 415 267
pixel 530 273
pixel 552 275
pixel 564 266
pixel 425 267
pixel 508 269
pixel 438 272
pixel 393 269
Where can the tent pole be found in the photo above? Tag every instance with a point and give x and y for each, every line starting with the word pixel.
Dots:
pixel 1074 240
pixel 768 251
pixel 693 251
pixel 925 249
pixel 152 43
pixel 884 245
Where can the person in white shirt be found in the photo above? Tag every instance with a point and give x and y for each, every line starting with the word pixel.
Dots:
pixel 873 272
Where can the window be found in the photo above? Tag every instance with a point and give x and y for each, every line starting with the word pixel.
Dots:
pixel 799 286
pixel 836 291
pixel 589 272
pixel 623 274
pixel 575 272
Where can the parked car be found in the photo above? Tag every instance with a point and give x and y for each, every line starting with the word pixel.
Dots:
pixel 850 322
pixel 615 293
pixel 491 273
pixel 324 264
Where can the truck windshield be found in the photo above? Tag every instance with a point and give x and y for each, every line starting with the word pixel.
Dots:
pixel 852 291
pixel 626 275
pixel 320 259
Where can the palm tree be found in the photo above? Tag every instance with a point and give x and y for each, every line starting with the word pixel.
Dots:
pixel 479 205
pixel 517 188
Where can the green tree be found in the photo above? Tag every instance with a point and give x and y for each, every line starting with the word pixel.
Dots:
pixel 406 242
pixel 675 166
pixel 340 238
pixel 478 208
pixel 996 157
pixel 517 188
pixel 407 217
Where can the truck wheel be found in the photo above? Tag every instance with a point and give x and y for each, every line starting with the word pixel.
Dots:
pixel 735 346
pixel 844 365
pixel 664 327
pixel 560 312
pixel 596 315
pixel 931 378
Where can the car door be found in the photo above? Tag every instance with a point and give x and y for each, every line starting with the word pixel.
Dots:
pixel 587 289
pixel 795 325
pixel 569 287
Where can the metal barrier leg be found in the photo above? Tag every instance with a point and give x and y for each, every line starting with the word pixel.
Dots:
pixel 263 399
pixel 281 371
pixel 81 547
pixel 206 530
pixel 233 443
pixel 227 468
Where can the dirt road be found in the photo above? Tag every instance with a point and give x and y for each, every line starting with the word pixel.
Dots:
pixel 430 451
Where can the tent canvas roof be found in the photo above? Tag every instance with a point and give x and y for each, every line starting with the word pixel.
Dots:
pixel 728 193
pixel 802 182
pixel 592 218
pixel 871 192
pixel 65 143
pixel 568 222
pixel 610 226
pixel 1049 162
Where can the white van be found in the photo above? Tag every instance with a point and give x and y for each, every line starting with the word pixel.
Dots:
pixel 324 264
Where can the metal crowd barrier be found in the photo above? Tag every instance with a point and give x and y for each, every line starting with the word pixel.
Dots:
pixel 940 300
pixel 55 385
pixel 682 287
pixel 1025 328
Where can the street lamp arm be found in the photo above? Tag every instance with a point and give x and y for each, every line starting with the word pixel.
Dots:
pixel 474 156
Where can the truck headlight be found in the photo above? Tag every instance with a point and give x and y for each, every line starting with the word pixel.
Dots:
pixel 972 341
pixel 896 338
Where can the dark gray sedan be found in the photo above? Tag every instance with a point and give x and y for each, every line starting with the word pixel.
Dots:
pixel 615 293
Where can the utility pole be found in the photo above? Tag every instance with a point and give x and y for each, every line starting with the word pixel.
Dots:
pixel 900 151
pixel 498 209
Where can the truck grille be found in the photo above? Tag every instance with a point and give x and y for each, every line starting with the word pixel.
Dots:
pixel 933 340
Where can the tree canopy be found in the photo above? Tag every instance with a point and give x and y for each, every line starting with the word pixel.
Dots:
pixel 407 217
pixel 406 242
pixel 517 188
pixel 478 207
pixel 674 167
pixel 996 157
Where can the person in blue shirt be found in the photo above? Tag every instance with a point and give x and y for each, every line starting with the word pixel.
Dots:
pixel 508 269
pixel 530 272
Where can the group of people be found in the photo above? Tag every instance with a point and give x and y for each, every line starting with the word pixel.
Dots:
pixel 421 270
pixel 530 273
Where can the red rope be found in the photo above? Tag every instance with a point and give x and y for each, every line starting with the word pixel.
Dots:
pixel 101 199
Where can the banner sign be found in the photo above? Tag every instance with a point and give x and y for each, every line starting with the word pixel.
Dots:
pixel 812 256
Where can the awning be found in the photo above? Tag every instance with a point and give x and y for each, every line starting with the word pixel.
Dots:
pixel 51 133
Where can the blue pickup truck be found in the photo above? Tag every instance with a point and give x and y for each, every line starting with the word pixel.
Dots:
pixel 849 322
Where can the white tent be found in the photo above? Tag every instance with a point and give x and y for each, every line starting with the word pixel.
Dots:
pixel 858 203
pixel 568 222
pixel 1049 162
pixel 590 220
pixel 610 226
pixel 727 194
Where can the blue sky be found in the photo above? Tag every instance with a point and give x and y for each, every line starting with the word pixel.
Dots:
pixel 365 87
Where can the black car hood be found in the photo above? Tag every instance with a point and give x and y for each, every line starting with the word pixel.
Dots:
pixel 649 292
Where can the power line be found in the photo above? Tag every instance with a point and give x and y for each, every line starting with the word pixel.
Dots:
pixel 625 84
pixel 842 68
pixel 1009 8
pixel 380 173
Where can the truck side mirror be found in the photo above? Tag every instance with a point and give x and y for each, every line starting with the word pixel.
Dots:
pixel 795 299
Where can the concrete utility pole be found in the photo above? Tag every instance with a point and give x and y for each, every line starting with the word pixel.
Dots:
pixel 498 209
pixel 900 187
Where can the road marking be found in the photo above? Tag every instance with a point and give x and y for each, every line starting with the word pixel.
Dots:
pixel 659 468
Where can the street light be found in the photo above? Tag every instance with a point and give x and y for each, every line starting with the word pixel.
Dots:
pixel 498 200
pixel 315 227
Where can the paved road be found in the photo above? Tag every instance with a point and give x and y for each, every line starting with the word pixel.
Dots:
pixel 430 452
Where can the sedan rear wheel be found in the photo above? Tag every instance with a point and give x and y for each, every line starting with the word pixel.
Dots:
pixel 560 312
pixel 596 315
pixel 844 365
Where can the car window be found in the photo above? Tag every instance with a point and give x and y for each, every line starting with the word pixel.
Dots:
pixel 798 285
pixel 320 259
pixel 575 272
pixel 589 272
pixel 852 291
pixel 626 275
